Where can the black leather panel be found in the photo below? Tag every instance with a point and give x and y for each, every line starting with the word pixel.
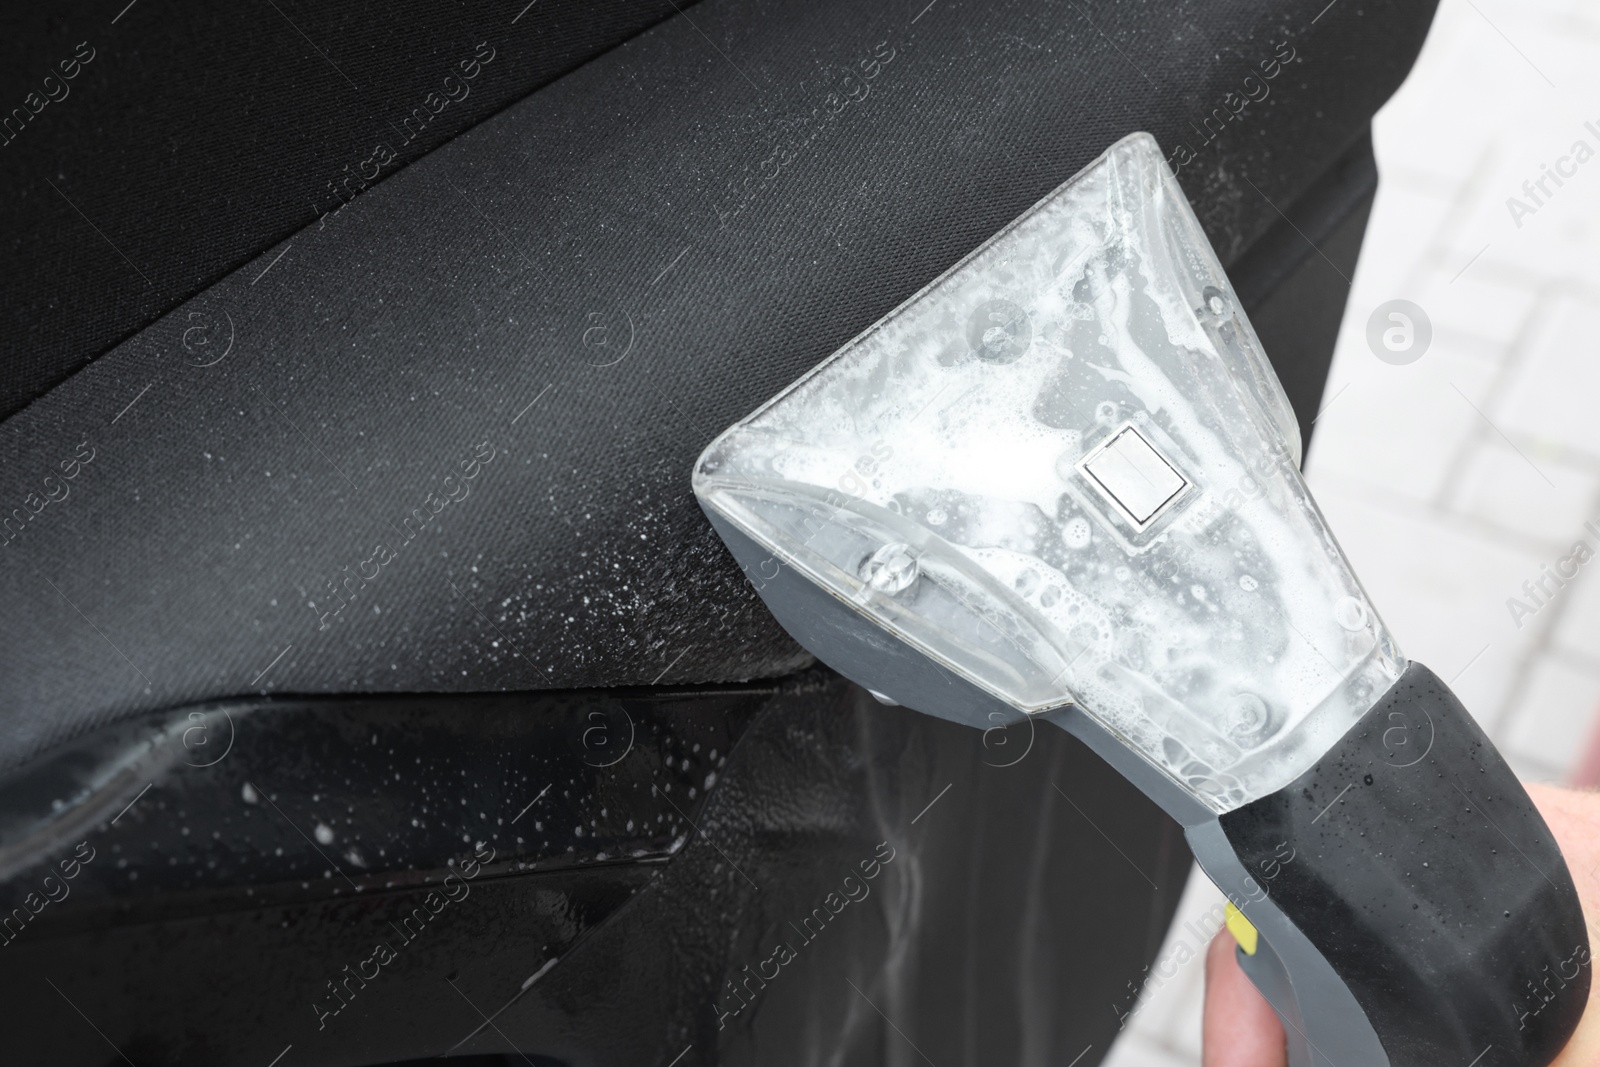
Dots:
pixel 1002 894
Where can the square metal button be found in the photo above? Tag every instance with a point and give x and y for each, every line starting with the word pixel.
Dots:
pixel 1133 475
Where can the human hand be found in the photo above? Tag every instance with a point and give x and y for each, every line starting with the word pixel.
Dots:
pixel 1240 1029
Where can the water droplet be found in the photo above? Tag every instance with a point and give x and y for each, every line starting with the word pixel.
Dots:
pixel 249 793
pixel 1076 533
pixel 891 569
pixel 1351 614
pixel 323 833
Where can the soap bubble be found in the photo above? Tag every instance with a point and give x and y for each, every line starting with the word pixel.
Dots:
pixel 999 331
pixel 891 569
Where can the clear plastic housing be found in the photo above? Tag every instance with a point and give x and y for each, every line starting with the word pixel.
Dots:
pixel 1065 471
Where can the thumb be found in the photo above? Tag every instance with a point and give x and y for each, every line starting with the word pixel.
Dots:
pixel 1240 1029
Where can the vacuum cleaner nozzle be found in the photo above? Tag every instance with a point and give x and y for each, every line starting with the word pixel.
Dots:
pixel 1063 481
pixel 1065 472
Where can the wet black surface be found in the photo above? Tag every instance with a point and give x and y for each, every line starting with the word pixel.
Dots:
pixel 1416 863
pixel 318 798
pixel 848 858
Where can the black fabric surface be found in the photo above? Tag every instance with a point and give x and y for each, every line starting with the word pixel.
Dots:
pixel 594 282
pixel 195 136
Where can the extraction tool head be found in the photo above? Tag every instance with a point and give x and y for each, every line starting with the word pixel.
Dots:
pixel 1063 481
pixel 1066 473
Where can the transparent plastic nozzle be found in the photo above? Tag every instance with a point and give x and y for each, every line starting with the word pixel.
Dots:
pixel 1066 472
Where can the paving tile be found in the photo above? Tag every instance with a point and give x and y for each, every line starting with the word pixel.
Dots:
pixel 1507 219
pixel 1398 429
pixel 1578 628
pixel 1537 497
pixel 1557 44
pixel 1474 90
pixel 1552 398
pixel 1440 587
pixel 1581 23
pixel 1555 245
pixel 1563 56
pixel 1474 305
pixel 1554 14
pixel 1553 717
pixel 1429 125
pixel 1137 1050
pixel 1405 221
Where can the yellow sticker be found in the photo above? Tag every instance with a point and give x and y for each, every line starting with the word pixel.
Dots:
pixel 1241 929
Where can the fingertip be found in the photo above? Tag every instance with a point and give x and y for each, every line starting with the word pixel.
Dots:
pixel 1239 1028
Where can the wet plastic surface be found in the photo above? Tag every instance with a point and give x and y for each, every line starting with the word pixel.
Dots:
pixel 1065 471
pixel 1416 863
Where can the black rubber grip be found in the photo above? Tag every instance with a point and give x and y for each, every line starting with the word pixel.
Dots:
pixel 1415 862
